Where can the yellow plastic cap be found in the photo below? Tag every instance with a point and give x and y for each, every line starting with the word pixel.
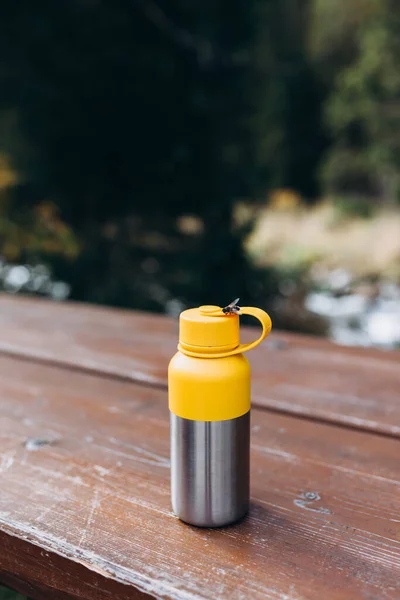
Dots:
pixel 208 331
pixel 207 328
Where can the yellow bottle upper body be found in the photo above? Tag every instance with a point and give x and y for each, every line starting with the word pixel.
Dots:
pixel 209 378
pixel 209 390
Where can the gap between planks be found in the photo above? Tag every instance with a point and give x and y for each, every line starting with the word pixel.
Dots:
pixel 313 379
pixel 150 382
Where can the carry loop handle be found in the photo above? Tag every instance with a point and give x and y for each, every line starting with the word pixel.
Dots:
pixel 266 323
pixel 259 314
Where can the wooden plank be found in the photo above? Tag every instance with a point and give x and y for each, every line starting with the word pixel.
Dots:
pixel 47 575
pixel 291 374
pixel 84 478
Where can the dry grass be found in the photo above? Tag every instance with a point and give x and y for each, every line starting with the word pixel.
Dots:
pixel 294 236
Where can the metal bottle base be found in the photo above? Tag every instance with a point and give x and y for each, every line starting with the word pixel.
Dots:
pixel 210 470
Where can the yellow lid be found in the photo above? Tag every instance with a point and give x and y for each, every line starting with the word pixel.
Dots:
pixel 208 328
pixel 208 331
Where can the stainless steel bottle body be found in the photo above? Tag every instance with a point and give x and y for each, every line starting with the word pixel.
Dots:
pixel 210 470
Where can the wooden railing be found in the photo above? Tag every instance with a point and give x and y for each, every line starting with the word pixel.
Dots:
pixel 84 466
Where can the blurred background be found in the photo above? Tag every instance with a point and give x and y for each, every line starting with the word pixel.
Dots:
pixel 160 154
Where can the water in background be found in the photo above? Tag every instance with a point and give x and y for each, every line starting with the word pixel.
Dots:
pixel 360 319
pixel 28 279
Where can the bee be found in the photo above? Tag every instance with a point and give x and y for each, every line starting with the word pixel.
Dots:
pixel 232 308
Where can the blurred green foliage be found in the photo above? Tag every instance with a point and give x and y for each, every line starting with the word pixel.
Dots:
pixel 348 207
pixel 121 120
pixel 357 50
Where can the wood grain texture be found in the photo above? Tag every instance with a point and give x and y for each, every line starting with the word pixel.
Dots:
pixel 292 374
pixel 47 575
pixel 84 494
